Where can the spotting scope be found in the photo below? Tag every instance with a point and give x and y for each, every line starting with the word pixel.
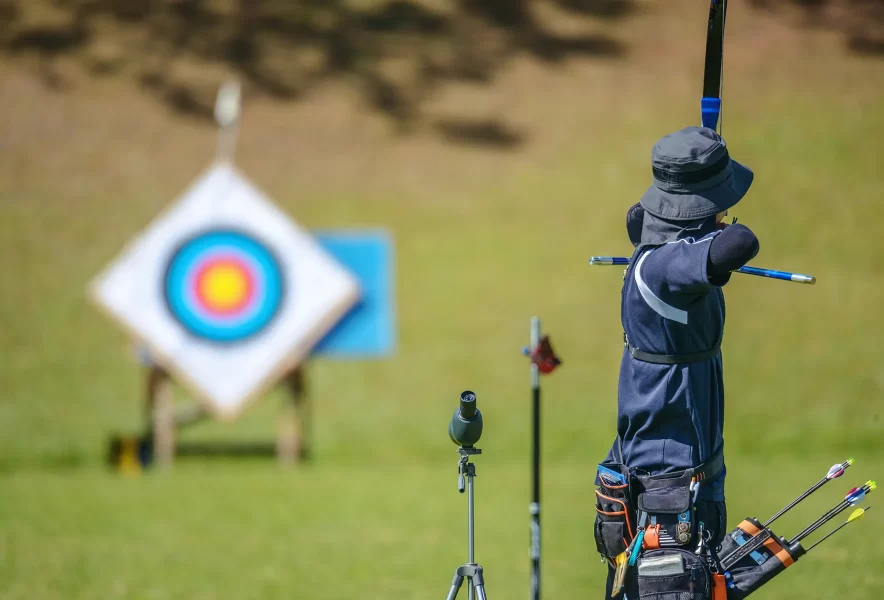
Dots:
pixel 465 428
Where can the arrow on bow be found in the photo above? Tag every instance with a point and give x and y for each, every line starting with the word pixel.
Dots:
pixel 710 104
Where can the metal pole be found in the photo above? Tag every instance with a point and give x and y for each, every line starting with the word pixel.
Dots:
pixel 472 560
pixel 535 500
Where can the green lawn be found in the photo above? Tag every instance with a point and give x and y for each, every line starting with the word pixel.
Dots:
pixel 484 241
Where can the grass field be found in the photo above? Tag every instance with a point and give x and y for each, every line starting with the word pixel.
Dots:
pixel 485 239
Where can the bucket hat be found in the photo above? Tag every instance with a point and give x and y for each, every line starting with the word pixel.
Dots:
pixel 694 176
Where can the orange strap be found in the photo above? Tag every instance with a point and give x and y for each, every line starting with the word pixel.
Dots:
pixel 719 587
pixel 772 545
pixel 651 541
pixel 777 550
pixel 749 528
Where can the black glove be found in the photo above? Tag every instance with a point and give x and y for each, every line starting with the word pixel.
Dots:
pixel 730 250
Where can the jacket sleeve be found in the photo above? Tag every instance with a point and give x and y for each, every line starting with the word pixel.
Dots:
pixel 676 273
pixel 735 246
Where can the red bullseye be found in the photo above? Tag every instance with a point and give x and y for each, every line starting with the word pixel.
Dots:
pixel 224 285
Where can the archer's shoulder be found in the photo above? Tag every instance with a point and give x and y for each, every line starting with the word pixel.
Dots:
pixel 738 234
pixel 690 242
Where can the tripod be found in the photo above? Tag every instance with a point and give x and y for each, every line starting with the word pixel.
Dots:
pixel 471 571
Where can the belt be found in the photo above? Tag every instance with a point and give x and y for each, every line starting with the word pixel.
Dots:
pixel 708 469
pixel 670 359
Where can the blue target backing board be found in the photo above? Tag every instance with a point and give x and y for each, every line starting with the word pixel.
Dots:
pixel 225 291
pixel 368 330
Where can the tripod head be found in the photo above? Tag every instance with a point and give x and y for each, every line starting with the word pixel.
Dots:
pixel 464 467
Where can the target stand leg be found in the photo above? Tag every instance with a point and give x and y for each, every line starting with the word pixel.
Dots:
pixel 291 446
pixel 161 411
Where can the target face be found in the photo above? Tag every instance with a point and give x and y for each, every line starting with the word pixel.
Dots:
pixel 227 292
pixel 223 286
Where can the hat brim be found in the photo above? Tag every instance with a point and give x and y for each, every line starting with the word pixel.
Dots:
pixel 702 203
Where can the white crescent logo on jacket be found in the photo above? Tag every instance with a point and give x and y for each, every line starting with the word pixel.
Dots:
pixel 667 311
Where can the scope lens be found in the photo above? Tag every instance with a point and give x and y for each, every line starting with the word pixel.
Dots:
pixel 468 405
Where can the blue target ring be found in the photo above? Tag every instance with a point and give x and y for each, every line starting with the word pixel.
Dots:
pixel 223 286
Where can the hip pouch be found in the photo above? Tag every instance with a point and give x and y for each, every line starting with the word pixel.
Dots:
pixel 752 555
pixel 615 519
pixel 666 511
pixel 673 574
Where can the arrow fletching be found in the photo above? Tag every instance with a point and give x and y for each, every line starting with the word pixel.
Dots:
pixel 854 516
pixel 857 514
pixel 857 494
pixel 838 470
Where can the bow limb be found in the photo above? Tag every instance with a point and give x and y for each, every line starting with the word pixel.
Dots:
pixel 710 104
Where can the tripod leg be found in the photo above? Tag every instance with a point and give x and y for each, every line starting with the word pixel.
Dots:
pixel 455 586
pixel 478 582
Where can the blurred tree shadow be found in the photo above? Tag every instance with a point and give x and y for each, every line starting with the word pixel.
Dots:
pixel 860 21
pixel 397 52
pixel 489 133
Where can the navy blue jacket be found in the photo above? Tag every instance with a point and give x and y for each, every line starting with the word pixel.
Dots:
pixel 671 417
